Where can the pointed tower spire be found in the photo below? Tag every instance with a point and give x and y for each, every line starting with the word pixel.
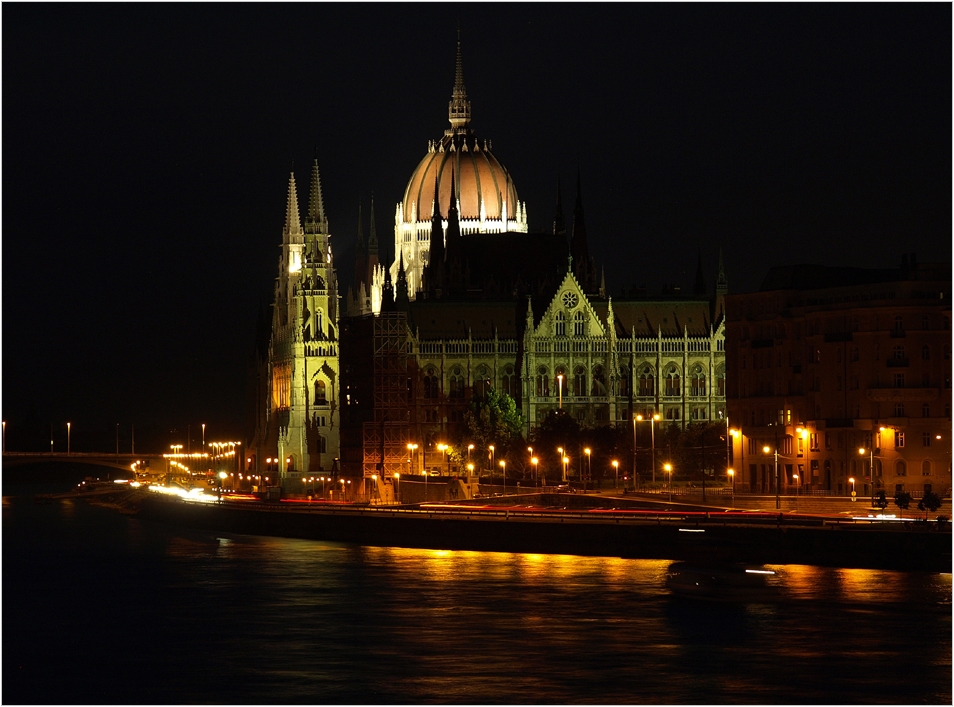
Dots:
pixel 292 217
pixel 722 283
pixel 453 237
pixel 373 237
pixel 603 283
pixel 434 280
pixel 316 221
pixel 459 107
pixel 387 293
pixel 401 299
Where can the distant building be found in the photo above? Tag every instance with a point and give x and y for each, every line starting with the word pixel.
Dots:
pixel 822 362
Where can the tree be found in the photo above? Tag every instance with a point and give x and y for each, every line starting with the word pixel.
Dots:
pixel 902 499
pixel 493 419
pixel 929 502
pixel 881 500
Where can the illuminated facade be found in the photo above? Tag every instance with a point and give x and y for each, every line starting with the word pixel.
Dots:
pixel 297 415
pixel 824 362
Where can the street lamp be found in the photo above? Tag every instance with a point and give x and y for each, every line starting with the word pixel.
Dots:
pixel 731 473
pixel 566 460
pixel 67 439
pixel 560 388
pixel 778 503
pixel 616 469
pixel 589 469
pixel 443 448
pixel 493 458
pixel 536 478
pixel 652 431
pixel 851 480
pixel 503 466
pixel 870 451
pixel 397 491
pixel 668 467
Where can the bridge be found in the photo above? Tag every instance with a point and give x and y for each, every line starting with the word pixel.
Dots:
pixel 116 461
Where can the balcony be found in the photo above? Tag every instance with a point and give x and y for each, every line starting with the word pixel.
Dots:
pixel 897 333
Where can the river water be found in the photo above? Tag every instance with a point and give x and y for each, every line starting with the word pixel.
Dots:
pixel 102 608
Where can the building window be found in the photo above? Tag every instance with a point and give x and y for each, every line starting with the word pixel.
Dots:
pixel 509 381
pixel 853 354
pixel 925 353
pixel 899 409
pixel 482 382
pixel 898 380
pixel 672 382
pixel 813 441
pixel 599 381
pixel 647 383
pixel 925 439
pixel 320 396
pixel 673 413
pixel 579 381
pixel 624 381
pixel 543 383
pixel 900 468
pixel 925 410
pixel 899 323
pixel 560 324
pixel 786 446
pixel 899 352
pixel 432 385
pixel 828 440
pixel 720 386
pixel 457 383
pixel 578 324
pixel 698 383
pixel 322 444
pixel 925 468
pixel 898 439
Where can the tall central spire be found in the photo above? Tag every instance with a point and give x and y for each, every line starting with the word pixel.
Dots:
pixel 459 107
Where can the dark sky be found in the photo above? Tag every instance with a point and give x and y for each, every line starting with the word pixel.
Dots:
pixel 146 152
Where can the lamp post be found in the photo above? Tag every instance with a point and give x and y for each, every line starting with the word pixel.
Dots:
pixel 851 480
pixel 397 482
pixel 503 467
pixel 795 479
pixel 737 433
pixel 778 502
pixel 870 450
pixel 731 473
pixel 67 439
pixel 668 467
pixel 493 458
pixel 443 448
pixel 589 469
pixel 5 437
pixel 374 486
pixel 560 388
pixel 566 460
pixel 536 478
pixel 616 470
pixel 652 432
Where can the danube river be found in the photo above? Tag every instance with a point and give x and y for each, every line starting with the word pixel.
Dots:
pixel 102 608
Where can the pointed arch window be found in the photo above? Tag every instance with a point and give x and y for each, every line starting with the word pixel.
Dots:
pixel 599 381
pixel 579 381
pixel 509 381
pixel 926 468
pixel 457 383
pixel 560 324
pixel 698 382
pixel 647 382
pixel 431 384
pixel 543 382
pixel 624 381
pixel 482 382
pixel 321 397
pixel 673 385
pixel 579 325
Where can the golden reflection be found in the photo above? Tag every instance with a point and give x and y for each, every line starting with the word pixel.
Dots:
pixel 802 581
pixel 868 585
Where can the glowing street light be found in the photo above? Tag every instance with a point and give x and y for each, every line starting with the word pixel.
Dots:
pixel 668 467
pixel 616 469
pixel 589 468
pixel 766 449
pixel 503 467
pixel 851 480
pixel 67 439
pixel 397 491
pixel 566 460
pixel 871 473
pixel 533 463
pixel 560 388
pixel 493 457
pixel 731 473
pixel 443 448
pixel 653 419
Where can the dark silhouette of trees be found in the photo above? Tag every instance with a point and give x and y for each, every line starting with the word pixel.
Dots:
pixel 902 499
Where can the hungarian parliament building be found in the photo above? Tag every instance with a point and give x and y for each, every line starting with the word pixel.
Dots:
pixel 472 300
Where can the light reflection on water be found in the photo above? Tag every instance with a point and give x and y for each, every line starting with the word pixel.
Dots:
pixel 200 617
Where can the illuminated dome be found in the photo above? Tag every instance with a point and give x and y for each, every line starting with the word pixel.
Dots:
pixel 486 196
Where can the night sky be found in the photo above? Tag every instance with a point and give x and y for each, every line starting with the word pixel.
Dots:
pixel 146 153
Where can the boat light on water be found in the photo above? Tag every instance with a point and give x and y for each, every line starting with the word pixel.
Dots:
pixel 691 530
pixel 759 572
pixel 720 582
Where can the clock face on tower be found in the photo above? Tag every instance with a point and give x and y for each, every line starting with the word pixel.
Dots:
pixel 570 300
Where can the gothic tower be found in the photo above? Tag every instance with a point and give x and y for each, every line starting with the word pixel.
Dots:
pixel 301 426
